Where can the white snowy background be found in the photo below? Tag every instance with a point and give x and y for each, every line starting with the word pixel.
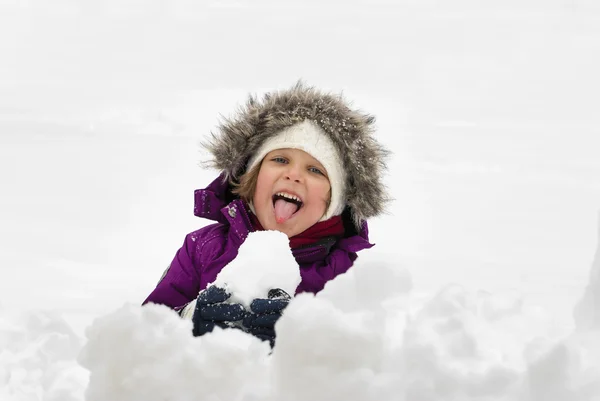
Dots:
pixel 491 109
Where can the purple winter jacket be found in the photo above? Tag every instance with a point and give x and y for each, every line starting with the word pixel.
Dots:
pixel 207 251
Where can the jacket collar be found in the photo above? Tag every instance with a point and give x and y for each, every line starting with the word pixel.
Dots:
pixel 217 203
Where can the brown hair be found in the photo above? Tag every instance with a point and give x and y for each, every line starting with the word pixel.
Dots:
pixel 247 185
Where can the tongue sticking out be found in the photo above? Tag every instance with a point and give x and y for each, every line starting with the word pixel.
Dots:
pixel 284 210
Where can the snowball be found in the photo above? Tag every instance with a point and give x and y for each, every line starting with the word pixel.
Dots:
pixel 264 262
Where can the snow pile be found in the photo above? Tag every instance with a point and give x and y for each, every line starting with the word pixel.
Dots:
pixel 569 371
pixel 149 354
pixel 333 346
pixel 264 262
pixel 373 345
pixel 461 345
pixel 37 359
pixel 364 337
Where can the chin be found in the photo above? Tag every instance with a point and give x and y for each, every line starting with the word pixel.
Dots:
pixel 289 231
pixel 289 235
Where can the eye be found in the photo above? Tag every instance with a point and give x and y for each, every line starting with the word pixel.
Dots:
pixel 316 171
pixel 280 160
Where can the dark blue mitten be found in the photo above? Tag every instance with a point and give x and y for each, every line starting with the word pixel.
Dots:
pixel 265 313
pixel 213 310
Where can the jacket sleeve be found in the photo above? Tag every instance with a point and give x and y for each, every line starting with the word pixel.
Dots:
pixel 181 282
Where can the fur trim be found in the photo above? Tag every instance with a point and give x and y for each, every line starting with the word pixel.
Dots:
pixel 240 137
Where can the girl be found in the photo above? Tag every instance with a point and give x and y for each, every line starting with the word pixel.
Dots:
pixel 299 161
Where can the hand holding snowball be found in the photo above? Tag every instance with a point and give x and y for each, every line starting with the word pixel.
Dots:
pixel 212 309
pixel 264 262
pixel 265 313
pixel 251 292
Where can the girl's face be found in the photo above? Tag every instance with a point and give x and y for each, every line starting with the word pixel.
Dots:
pixel 292 191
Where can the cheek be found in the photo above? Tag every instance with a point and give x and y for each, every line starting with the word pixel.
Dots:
pixel 260 196
pixel 322 191
pixel 261 189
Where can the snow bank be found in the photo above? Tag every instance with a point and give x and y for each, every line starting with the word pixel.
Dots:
pixel 364 337
pixel 149 354
pixel 569 371
pixel 37 359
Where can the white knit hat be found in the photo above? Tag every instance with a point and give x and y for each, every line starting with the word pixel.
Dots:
pixel 309 137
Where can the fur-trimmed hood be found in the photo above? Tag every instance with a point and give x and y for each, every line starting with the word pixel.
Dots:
pixel 240 136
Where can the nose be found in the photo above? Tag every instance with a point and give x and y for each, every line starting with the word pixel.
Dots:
pixel 293 173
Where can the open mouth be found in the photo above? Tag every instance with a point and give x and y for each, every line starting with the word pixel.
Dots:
pixel 285 206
